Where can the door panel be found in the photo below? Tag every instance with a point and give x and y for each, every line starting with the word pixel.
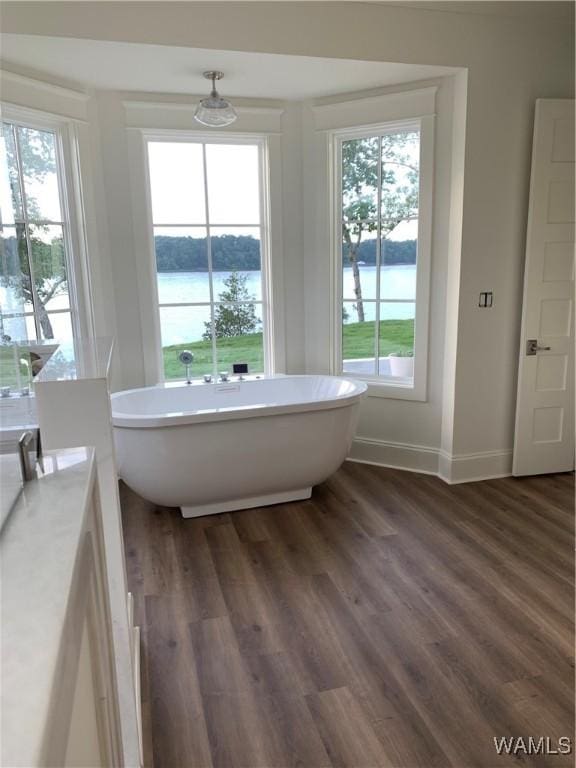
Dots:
pixel 544 437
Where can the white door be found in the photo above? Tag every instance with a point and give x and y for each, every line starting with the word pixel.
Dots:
pixel 544 437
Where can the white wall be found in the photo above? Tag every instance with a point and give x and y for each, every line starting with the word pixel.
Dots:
pixel 468 422
pixel 123 253
pixel 293 237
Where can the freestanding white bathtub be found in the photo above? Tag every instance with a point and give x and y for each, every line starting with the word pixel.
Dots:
pixel 211 448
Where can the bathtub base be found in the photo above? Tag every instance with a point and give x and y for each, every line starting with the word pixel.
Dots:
pixel 252 501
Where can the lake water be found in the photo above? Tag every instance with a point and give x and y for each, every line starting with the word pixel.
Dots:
pixel 186 324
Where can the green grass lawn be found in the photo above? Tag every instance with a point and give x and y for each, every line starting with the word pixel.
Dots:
pixel 358 342
pixel 234 349
pixel 10 364
pixel 395 336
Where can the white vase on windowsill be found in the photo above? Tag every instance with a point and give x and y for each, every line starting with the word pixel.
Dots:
pixel 401 366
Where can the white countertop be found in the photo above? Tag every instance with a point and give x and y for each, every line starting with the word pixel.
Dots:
pixel 39 548
pixel 17 415
pixel 11 483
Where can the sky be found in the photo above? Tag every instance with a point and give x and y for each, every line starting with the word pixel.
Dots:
pixel 5 194
pixel 44 191
pixel 178 197
pixel 176 173
pixel 177 182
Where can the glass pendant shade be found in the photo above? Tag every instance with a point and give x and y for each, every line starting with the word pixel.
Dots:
pixel 215 111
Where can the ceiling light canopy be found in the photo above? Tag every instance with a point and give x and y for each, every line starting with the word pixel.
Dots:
pixel 215 111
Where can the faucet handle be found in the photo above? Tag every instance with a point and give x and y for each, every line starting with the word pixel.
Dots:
pixel 186 357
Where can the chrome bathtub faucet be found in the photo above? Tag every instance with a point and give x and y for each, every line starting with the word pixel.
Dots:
pixel 186 358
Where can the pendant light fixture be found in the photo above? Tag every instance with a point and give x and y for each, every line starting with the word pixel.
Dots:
pixel 215 111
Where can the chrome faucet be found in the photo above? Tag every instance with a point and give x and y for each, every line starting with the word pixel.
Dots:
pixel 186 358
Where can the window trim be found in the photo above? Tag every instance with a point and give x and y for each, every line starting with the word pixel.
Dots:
pixel 201 137
pixel 381 386
pixel 71 202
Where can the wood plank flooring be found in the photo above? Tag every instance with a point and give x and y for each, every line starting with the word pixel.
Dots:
pixel 391 620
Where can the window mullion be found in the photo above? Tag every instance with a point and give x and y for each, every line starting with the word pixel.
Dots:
pixel 35 299
pixel 378 260
pixel 209 257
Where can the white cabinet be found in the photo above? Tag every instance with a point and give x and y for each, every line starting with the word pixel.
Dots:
pixel 76 382
pixel 59 695
pixel 86 746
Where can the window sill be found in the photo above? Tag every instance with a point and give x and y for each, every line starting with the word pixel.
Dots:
pixel 399 389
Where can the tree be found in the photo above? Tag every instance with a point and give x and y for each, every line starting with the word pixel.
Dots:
pixel 399 192
pixel 232 318
pixel 189 254
pixel 38 160
pixel 50 278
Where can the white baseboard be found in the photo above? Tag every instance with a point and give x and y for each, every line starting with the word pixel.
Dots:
pixel 452 468
pixel 414 458
pixel 470 467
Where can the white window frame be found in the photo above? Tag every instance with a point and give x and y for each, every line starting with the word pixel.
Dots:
pixel 70 194
pixel 194 137
pixel 385 386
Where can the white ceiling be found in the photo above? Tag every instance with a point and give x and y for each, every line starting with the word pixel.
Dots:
pixel 549 9
pixel 167 69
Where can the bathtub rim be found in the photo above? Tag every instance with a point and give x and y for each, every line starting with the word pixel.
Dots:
pixel 122 420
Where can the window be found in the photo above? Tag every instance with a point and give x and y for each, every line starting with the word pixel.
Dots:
pixel 209 231
pixel 35 291
pixel 382 258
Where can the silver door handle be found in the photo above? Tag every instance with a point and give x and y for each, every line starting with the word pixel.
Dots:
pixel 532 347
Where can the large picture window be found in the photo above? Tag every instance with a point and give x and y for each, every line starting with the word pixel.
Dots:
pixel 35 301
pixel 210 241
pixel 380 254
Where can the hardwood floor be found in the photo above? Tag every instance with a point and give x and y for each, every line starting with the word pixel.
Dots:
pixel 391 620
